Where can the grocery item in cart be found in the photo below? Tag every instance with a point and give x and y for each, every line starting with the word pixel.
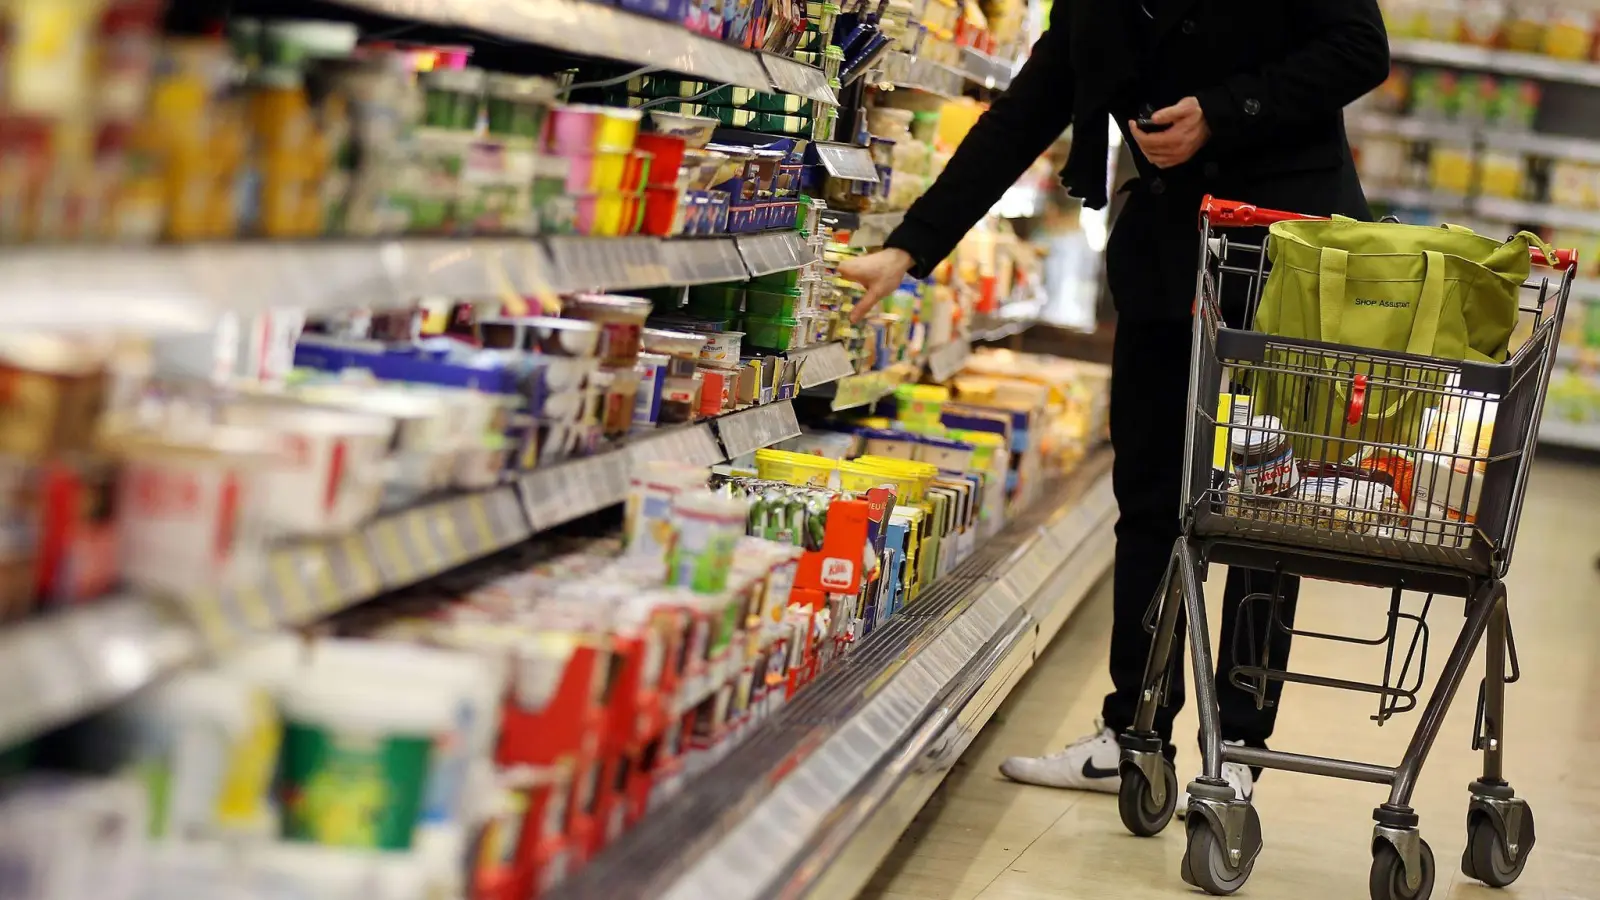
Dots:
pixel 1263 461
pixel 1344 503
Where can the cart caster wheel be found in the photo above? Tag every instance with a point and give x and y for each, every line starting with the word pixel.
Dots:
pixel 1388 881
pixel 1141 815
pixel 1205 861
pixel 1485 858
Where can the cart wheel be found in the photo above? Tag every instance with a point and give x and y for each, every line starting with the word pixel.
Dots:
pixel 1205 861
pixel 1141 815
pixel 1485 856
pixel 1388 881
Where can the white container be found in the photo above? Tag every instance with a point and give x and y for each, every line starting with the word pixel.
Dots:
pixel 331 475
pixel 722 347
pixel 215 737
pixel 192 511
pixel 358 756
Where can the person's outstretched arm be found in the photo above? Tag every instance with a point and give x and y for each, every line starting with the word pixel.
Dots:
pixel 1006 139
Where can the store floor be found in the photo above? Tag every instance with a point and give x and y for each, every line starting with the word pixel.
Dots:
pixel 984 838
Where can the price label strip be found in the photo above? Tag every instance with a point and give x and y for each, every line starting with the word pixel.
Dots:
pixel 751 430
pixel 353 571
pixel 703 261
pixel 390 542
pixel 775 252
pixel 568 491
pixel 824 364
pixel 693 445
pixel 847 162
pixel 643 262
pixel 945 361
pixel 508 524
pixel 792 77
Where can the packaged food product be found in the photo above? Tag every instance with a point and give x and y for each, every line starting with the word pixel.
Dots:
pixel 1262 459
pixel 1344 503
pixel 1435 94
pixel 356 758
pixel 1517 104
pixel 1450 168
pixel 1569 33
pixel 708 530
pixel 621 321
pixel 1482 22
pixel 1525 27
pixel 1501 174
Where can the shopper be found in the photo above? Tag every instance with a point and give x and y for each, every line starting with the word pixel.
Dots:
pixel 1246 98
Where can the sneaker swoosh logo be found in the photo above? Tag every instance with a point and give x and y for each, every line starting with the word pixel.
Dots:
pixel 1092 772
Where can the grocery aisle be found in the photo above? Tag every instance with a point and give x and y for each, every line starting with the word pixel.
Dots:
pixel 984 838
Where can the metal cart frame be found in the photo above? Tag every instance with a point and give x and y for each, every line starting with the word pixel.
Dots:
pixel 1347 529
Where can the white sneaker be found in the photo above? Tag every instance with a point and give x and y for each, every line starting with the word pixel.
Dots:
pixel 1238 776
pixel 1087 764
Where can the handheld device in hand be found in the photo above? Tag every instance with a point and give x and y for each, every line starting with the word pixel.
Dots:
pixel 1146 125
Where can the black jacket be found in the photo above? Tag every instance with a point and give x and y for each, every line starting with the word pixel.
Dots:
pixel 1272 77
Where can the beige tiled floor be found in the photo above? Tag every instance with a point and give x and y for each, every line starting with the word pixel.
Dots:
pixel 986 838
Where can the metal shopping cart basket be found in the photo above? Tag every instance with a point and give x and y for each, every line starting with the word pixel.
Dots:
pixel 1423 498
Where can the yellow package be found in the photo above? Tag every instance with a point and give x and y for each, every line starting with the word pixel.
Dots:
pixel 800 469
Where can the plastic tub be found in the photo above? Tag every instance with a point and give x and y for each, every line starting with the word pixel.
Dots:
pixel 716 301
pixel 668 151
pixel 722 348
pixel 677 344
pixel 636 171
pixel 574 129
pixel 778 333
pixel 606 171
pixel 621 320
pixel 771 302
pixel 618 128
pixel 548 336
pixel 661 212
pixel 695 130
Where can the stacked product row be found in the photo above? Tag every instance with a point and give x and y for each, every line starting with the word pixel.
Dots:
pixel 1560 30
pixel 114 478
pixel 488 733
pixel 293 129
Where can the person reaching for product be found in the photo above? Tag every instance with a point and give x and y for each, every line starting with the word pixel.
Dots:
pixel 1241 99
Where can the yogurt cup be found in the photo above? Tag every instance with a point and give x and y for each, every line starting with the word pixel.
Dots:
pixel 722 347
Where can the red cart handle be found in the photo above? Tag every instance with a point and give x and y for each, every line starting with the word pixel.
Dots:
pixel 1358 401
pixel 1233 214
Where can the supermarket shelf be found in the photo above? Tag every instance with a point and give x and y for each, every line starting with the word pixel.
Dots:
pixel 63 666
pixel 814 799
pixel 67 664
pixel 907 72
pixel 178 288
pixel 1536 213
pixel 1574 435
pixel 846 161
pixel 1504 62
pixel 557 494
pixel 1408 128
pixel 750 430
pixel 595 29
pixel 824 364
pixel 777 251
pixel 1530 142
pixel 999 328
pixel 946 360
pixel 865 388
pixel 1417 198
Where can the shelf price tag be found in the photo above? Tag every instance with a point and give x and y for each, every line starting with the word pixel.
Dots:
pixel 824 363
pixel 847 162
pixel 571 490
pixel 791 77
pixel 750 430
pixel 352 570
pixel 947 360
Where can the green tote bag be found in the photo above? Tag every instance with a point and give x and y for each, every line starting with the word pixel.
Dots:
pixel 1440 292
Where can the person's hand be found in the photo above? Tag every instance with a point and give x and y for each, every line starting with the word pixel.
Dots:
pixel 1178 144
pixel 879 273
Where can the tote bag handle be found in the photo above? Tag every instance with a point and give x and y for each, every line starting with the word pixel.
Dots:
pixel 1331 301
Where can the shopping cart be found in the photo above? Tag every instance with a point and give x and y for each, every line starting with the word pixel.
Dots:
pixel 1424 497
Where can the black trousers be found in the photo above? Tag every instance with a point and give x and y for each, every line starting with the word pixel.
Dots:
pixel 1149 396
